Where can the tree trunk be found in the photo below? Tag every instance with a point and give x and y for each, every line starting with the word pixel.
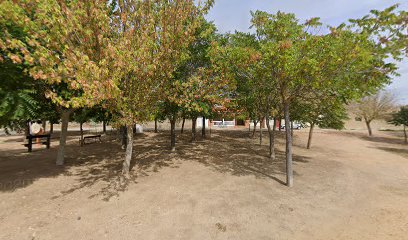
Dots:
pixel 291 128
pixel 51 128
pixel 253 131
pixel 182 125
pixel 280 127
pixel 44 125
pixel 289 170
pixel 211 127
pixel 309 140
pixel 81 130
pixel 370 131
pixel 271 132
pixel 193 129
pixel 104 127
pixel 155 125
pixel 63 137
pixel 129 149
pixel 260 131
pixel 203 129
pixel 123 132
pixel 405 134
pixel 26 131
pixel 173 133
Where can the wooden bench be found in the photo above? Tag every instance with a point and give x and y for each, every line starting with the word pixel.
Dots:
pixel 30 138
pixel 96 137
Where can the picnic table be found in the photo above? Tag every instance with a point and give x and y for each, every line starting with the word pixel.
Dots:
pixel 45 140
pixel 95 137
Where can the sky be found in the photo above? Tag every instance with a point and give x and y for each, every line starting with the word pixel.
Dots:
pixel 231 15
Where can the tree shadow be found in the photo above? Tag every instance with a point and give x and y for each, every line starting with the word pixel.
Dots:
pixel 226 151
pixel 150 154
pixel 399 151
pixel 378 139
pixel 395 137
pixel 19 169
pixel 232 152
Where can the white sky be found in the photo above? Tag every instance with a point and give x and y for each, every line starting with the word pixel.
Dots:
pixel 231 15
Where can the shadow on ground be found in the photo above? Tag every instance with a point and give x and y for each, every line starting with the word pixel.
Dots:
pixel 391 137
pixel 378 139
pixel 399 151
pixel 229 152
pixel 19 168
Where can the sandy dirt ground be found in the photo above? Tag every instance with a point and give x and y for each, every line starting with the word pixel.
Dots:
pixel 224 187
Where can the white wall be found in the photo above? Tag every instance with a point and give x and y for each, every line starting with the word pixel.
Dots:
pixel 200 122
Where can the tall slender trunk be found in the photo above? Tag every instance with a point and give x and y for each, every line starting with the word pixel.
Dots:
pixel 249 126
pixel 182 125
pixel 129 149
pixel 291 128
pixel 26 131
pixel 210 127
pixel 309 140
pixel 123 132
pixel 271 131
pixel 280 125
pixel 173 133
pixel 104 126
pixel 405 134
pixel 63 137
pixel 51 127
pixel 254 130
pixel 203 129
pixel 289 170
pixel 260 131
pixel 81 130
pixel 193 129
pixel 368 124
pixel 155 125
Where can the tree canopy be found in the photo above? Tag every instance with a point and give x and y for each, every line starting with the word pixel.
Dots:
pixel 127 61
pixel 401 118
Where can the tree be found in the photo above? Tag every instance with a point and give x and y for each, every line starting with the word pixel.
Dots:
pixel 320 109
pixel 196 84
pixel 19 96
pixel 282 42
pixel 171 111
pixel 256 89
pixel 82 116
pixel 302 63
pixel 102 115
pixel 22 97
pixel 376 106
pixel 200 84
pixel 401 118
pixel 388 28
pixel 57 33
pixel 148 41
pixel 243 49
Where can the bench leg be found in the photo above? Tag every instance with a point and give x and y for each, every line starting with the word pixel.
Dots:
pixel 30 145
